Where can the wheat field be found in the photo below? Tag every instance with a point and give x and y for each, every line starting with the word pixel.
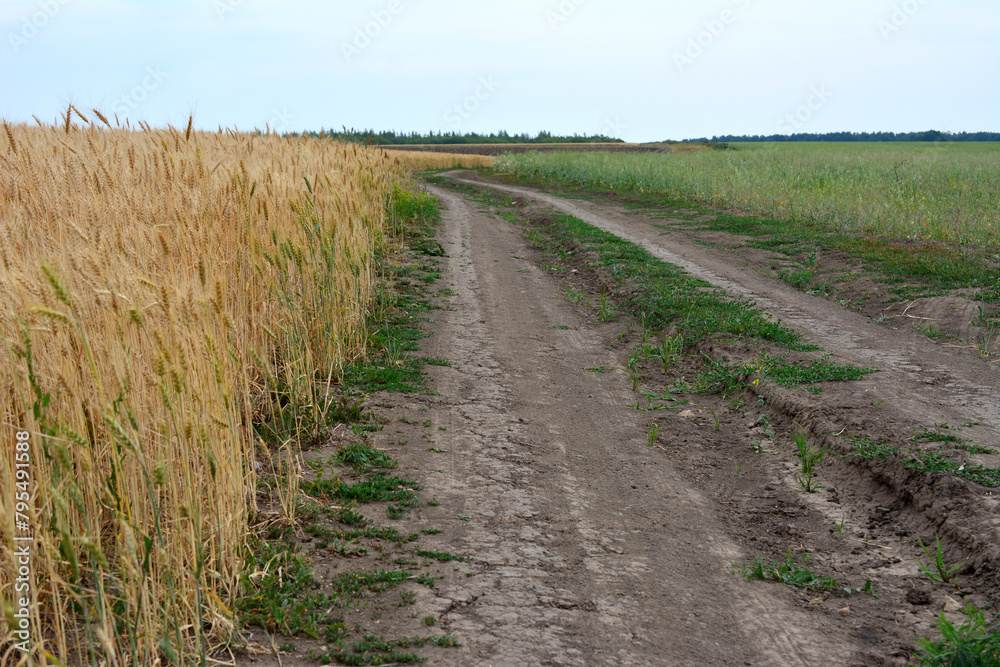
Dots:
pixel 432 161
pixel 156 286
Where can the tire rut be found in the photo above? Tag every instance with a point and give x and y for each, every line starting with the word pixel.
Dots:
pixel 593 549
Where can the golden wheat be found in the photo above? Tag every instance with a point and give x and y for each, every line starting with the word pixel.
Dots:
pixel 429 161
pixel 153 285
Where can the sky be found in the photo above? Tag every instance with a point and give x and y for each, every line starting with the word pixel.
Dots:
pixel 638 70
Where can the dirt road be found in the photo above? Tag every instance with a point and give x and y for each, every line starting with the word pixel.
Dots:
pixel 593 540
pixel 599 550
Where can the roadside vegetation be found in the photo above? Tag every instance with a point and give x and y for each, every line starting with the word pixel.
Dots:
pixel 176 307
pixel 919 192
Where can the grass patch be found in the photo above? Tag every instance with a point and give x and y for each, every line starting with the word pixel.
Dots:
pixel 443 556
pixel 375 650
pixel 788 571
pixel 363 457
pixel 281 593
pixel 722 378
pixel 379 487
pixel 661 294
pixel 869 449
pixel 974 641
pixel 936 462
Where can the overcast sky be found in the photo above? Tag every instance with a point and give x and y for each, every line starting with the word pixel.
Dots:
pixel 637 69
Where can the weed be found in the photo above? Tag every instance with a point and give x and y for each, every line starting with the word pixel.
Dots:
pixel 787 572
pixel 378 487
pixel 463 517
pixel 977 449
pixel 809 457
pixel 867 588
pixel 715 417
pixel 934 436
pixel 974 642
pixel 362 457
pixel 840 527
pixel 608 310
pixel 868 449
pixel 596 369
pixel 442 556
pixel 936 461
pixel 654 430
pixel 432 531
pixel 938 570
pixel 426 579
pixel 407 598
pixel 928 331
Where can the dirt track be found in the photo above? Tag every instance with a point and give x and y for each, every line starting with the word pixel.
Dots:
pixel 598 550
pixel 601 550
pixel 589 547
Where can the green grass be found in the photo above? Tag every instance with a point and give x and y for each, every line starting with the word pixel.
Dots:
pixel 363 457
pixel 938 570
pixel 285 597
pixel 936 461
pixel 442 556
pixel 662 294
pixel 722 378
pixel 788 571
pixel 865 448
pixel 973 642
pixel 915 191
pixel 378 487
pixel 909 213
pixel 375 650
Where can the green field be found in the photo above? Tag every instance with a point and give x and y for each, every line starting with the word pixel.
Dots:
pixel 921 191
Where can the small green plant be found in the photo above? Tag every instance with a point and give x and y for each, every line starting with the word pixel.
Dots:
pixel 788 572
pixel 442 556
pixel 867 588
pixel 840 526
pixel 407 598
pixel 654 430
pixel 608 310
pixel 736 466
pixel 634 375
pixel 928 331
pixel 718 425
pixel 976 449
pixel 462 517
pixel 809 457
pixel 972 642
pixel 938 570
pixel 596 369
pixel 869 449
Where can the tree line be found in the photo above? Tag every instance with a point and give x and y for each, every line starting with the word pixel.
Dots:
pixel 929 135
